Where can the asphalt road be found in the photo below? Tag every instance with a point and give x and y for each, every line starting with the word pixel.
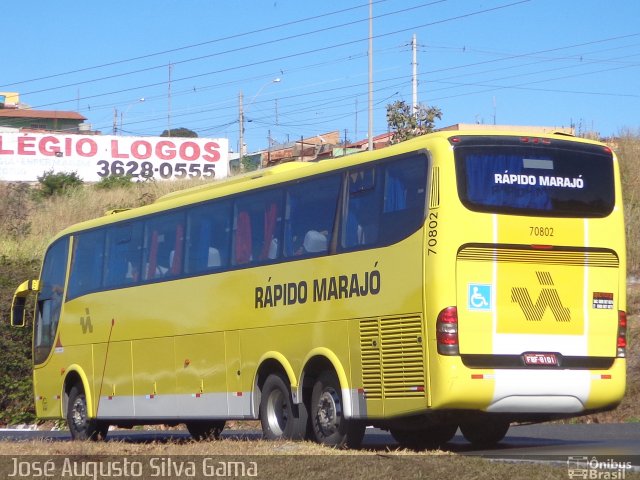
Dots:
pixel 545 442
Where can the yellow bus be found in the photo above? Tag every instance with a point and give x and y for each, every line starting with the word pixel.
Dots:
pixel 457 280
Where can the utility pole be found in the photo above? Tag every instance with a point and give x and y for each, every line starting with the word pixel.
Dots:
pixel 268 151
pixel 414 78
pixel 356 138
pixel 115 121
pixel 370 147
pixel 169 101
pixel 344 148
pixel 494 110
pixel 241 122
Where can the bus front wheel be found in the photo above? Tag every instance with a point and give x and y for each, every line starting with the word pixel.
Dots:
pixel 279 416
pixel 328 424
pixel 80 425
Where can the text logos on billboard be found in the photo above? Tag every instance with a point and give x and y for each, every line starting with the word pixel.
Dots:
pixel 25 156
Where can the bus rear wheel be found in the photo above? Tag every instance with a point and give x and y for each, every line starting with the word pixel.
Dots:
pixel 328 425
pixel 427 438
pixel 279 416
pixel 205 429
pixel 80 425
pixel 484 432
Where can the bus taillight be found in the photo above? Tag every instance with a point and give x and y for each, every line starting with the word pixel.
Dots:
pixel 447 331
pixel 621 345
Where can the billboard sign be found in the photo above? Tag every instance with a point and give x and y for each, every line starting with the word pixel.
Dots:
pixel 26 156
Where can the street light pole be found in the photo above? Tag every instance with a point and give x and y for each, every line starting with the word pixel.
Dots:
pixel 241 133
pixel 140 100
pixel 241 112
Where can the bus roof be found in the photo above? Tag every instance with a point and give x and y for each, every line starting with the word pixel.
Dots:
pixel 246 177
pixel 291 170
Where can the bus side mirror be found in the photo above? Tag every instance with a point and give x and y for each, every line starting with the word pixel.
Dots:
pixel 19 301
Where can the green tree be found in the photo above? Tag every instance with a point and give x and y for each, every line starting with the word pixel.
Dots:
pixel 180 132
pixel 114 181
pixel 16 386
pixel 406 124
pixel 57 183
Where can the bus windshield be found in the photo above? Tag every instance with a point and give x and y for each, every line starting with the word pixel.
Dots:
pixel 558 179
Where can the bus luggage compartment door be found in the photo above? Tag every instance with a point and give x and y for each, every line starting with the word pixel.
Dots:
pixel 536 305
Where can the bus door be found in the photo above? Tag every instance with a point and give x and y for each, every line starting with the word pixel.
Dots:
pixel 49 306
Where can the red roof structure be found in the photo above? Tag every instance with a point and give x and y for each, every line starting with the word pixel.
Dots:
pixel 48 114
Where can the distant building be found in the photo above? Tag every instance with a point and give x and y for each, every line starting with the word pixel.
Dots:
pixel 17 115
pixel 379 141
pixel 9 100
pixel 43 120
pixel 303 150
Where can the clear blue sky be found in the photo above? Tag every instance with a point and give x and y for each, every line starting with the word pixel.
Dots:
pixel 537 62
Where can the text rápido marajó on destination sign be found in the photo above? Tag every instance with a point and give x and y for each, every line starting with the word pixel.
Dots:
pixel 507 178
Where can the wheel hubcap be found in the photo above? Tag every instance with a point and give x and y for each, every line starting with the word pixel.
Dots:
pixel 79 414
pixel 329 412
pixel 277 412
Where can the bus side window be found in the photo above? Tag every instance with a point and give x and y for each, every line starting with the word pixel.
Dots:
pixel 208 237
pixel 86 263
pixel 257 228
pixel 123 252
pixel 361 217
pixel 384 204
pixel 310 216
pixel 404 198
pixel 163 246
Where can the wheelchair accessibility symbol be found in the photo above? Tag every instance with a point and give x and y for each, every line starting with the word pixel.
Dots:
pixel 479 297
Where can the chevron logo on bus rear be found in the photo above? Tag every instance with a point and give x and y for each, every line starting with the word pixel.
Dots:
pixel 548 298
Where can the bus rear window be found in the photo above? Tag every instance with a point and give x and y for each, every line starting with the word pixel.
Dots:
pixel 562 179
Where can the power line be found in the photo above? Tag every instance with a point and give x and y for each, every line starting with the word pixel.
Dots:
pixel 289 56
pixel 454 84
pixel 186 47
pixel 225 52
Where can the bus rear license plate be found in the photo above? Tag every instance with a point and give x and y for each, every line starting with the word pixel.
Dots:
pixel 541 359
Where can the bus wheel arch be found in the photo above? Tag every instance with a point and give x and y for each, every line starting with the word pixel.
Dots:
pixel 271 363
pixel 75 376
pixel 77 410
pixel 316 362
pixel 325 392
pixel 280 415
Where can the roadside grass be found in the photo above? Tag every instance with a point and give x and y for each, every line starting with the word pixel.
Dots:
pixel 27 224
pixel 629 408
pixel 295 460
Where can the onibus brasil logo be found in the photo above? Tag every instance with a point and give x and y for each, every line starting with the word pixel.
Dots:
pixel 593 468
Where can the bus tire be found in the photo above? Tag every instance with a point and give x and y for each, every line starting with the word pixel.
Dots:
pixel 80 425
pixel 428 438
pixel 484 432
pixel 280 418
pixel 205 429
pixel 328 425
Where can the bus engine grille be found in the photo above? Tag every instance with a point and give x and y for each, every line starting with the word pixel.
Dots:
pixel 392 350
